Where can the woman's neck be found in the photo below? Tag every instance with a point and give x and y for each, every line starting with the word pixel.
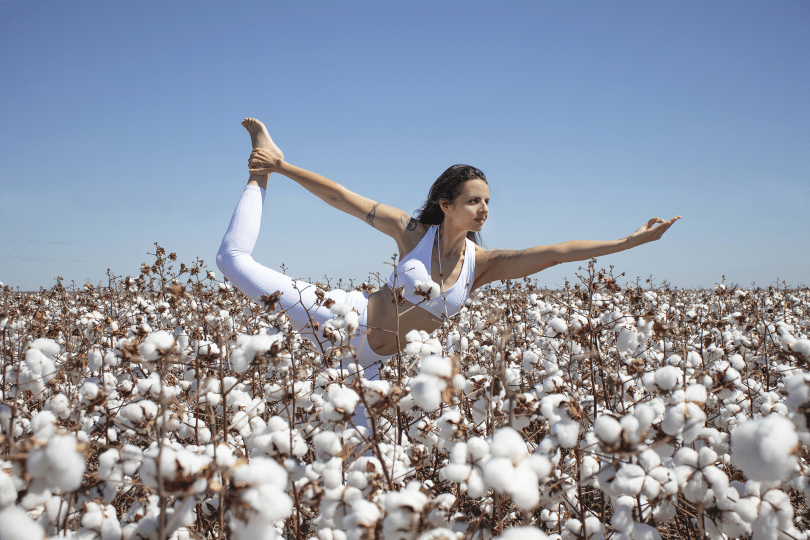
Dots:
pixel 451 242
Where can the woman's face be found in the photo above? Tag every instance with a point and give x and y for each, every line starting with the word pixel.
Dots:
pixel 470 209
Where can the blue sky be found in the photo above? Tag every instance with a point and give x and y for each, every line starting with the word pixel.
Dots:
pixel 121 128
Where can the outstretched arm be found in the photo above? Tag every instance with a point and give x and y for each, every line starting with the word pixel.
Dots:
pixel 499 264
pixel 387 219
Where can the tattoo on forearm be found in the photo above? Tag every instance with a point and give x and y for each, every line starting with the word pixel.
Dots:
pixel 370 216
pixel 408 222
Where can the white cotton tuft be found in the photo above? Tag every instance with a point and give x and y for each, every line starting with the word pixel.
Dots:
pixel 429 287
pixel 58 464
pixel 16 525
pixel 427 391
pixel 558 325
pixel 500 475
pixel 437 365
pixel 328 442
pixel 667 377
pixel 8 491
pixel 342 398
pixel 351 321
pixel 156 344
pixel 509 443
pixel 441 534
pixel 764 448
pixel 566 431
pixel 340 309
pixel 800 347
pixel 262 484
pixel 607 429
pixel 522 533
pixel 43 425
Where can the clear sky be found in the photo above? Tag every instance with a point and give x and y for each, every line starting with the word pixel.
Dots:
pixel 121 128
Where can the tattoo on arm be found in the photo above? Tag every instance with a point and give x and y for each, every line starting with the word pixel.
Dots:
pixel 370 216
pixel 408 222
pixel 506 254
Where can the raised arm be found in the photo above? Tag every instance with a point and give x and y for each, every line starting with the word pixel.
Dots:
pixel 387 219
pixel 496 264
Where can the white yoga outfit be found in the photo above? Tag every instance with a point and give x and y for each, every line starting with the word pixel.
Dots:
pixel 235 262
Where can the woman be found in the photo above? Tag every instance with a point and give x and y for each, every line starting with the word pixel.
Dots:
pixel 438 245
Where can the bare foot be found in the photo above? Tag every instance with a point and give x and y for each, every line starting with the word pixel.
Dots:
pixel 261 139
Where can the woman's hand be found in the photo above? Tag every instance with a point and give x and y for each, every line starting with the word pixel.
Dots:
pixel 652 230
pixel 264 161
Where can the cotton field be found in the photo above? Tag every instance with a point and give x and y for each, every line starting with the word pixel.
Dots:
pixel 169 406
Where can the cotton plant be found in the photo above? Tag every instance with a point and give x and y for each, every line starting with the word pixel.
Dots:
pixel 227 383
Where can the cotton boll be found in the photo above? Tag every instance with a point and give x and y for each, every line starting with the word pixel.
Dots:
pixel 47 346
pixel 522 533
pixel 627 340
pixel 89 391
pixel 800 347
pixel 18 526
pixel 436 365
pixel 737 362
pixel 43 425
pixel 696 393
pixel 798 390
pixel 429 287
pixel 94 359
pixel 645 414
pixel 343 399
pixel 8 491
pixel 668 377
pixel 765 448
pixel 558 325
pixel 426 391
pixel 328 442
pixel 509 443
pixel 476 487
pixel 457 472
pixel 530 359
pixel 642 531
pixel 261 486
pixel 58 464
pixel 41 365
pixel 351 322
pixel 478 448
pixel 441 533
pixel 566 431
pixel 631 428
pixel 156 344
pixel 607 429
pixel 500 475
pixel 526 493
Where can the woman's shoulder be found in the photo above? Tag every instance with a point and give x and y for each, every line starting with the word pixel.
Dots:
pixel 414 232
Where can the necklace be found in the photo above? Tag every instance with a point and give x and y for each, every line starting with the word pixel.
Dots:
pixel 441 276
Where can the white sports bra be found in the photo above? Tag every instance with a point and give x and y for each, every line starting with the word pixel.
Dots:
pixel 416 267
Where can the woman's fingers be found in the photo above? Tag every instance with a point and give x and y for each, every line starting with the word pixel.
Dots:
pixel 654 229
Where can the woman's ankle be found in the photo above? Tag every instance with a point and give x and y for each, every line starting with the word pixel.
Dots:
pixel 259 180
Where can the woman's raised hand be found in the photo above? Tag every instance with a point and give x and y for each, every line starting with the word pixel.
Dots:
pixel 652 230
pixel 264 161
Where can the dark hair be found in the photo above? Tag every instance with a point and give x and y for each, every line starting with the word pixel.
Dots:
pixel 448 187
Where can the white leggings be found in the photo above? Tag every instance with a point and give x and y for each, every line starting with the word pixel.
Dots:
pixel 298 298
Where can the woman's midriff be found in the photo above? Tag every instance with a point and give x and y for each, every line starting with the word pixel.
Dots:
pixel 382 321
